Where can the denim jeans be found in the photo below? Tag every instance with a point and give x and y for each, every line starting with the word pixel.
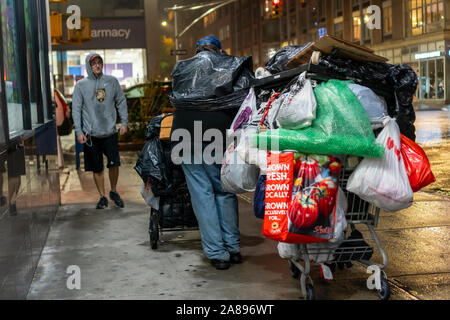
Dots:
pixel 215 209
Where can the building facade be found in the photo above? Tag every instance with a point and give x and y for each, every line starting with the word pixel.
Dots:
pixel 413 32
pixel 118 34
pixel 29 176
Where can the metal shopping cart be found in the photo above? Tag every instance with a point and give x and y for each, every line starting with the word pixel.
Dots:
pixel 175 208
pixel 360 213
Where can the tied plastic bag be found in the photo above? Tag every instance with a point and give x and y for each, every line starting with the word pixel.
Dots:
pixel 251 156
pixel 375 106
pixel 384 182
pixel 149 197
pixel 417 165
pixel 298 110
pixel 237 176
pixel 248 108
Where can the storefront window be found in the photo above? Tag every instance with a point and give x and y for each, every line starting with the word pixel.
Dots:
pixel 431 84
pixel 46 67
pixel 33 70
pixel 11 68
pixel 440 91
pixel 127 65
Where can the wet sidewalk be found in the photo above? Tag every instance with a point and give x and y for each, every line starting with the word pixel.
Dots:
pixel 112 250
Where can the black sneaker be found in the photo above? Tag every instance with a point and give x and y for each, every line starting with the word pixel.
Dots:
pixel 114 196
pixel 235 258
pixel 220 264
pixel 102 204
pixel 13 210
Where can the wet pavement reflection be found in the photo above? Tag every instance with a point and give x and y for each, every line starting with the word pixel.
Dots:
pixel 432 129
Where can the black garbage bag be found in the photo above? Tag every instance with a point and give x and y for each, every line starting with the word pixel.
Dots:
pixel 176 210
pixel 230 101
pixel 207 76
pixel 401 78
pixel 151 164
pixel 278 62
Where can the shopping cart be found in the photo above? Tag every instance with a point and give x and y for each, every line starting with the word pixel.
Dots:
pixel 175 208
pixel 359 213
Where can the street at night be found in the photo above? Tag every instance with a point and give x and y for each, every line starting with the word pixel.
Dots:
pixel 198 152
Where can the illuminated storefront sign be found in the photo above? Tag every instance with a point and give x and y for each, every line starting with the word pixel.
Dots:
pixel 428 55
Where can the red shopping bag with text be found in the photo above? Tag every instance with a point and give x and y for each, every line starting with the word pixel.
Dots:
pixel 279 184
pixel 417 165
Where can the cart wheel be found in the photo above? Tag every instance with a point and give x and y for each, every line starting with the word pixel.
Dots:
pixel 154 230
pixel 385 291
pixel 310 293
pixel 295 273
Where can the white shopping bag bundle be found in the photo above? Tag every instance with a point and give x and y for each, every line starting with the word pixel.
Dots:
pixel 237 176
pixel 149 197
pixel 384 182
pixel 245 113
pixel 299 108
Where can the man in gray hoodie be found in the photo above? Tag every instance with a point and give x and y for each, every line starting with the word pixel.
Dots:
pixel 94 104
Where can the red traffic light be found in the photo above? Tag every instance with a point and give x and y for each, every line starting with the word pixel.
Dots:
pixel 276 2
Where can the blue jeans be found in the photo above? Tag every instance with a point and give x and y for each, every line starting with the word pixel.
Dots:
pixel 215 209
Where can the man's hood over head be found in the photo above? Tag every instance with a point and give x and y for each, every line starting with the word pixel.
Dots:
pixel 89 58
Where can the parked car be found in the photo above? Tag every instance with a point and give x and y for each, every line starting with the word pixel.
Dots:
pixel 155 95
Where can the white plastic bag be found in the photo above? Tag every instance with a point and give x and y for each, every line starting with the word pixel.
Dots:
pixel 299 108
pixel 384 182
pixel 340 224
pixel 375 106
pixel 247 109
pixel 149 197
pixel 237 176
pixel 250 155
pixel 288 251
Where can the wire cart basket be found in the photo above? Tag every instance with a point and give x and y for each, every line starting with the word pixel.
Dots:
pixel 359 250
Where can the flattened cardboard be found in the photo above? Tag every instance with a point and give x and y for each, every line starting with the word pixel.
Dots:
pixel 346 50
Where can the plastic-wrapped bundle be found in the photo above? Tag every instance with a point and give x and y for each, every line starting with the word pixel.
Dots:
pixel 202 79
pixel 278 62
pixel 401 78
pixel 341 127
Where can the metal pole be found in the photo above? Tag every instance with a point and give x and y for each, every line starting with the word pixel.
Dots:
pixel 176 33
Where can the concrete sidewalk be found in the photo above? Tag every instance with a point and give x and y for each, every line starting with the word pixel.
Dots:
pixel 112 250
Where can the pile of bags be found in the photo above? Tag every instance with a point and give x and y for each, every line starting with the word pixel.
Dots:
pixel 290 149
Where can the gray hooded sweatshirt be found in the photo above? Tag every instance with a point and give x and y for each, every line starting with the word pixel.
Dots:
pixel 94 104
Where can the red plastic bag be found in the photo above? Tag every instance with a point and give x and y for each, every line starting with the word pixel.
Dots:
pixel 417 165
